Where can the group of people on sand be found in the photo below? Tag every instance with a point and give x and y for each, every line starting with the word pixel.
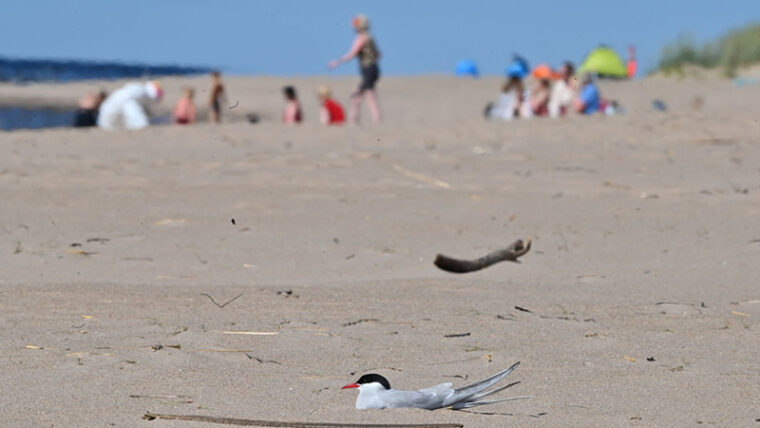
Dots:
pixel 127 107
pixel 553 94
pixel 330 111
pixel 184 110
pixel 365 50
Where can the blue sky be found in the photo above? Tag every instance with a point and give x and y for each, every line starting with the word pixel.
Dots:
pixel 300 37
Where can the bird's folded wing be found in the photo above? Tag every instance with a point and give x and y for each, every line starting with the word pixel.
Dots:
pixel 466 392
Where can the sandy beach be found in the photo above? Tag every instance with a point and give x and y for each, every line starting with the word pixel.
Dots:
pixel 638 304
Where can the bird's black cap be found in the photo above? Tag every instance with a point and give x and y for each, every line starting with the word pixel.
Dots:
pixel 372 377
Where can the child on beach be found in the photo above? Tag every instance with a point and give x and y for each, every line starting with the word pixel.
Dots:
pixel 330 112
pixel 365 49
pixel 217 95
pixel 292 112
pixel 184 110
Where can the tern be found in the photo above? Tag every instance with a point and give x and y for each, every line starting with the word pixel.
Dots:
pixel 375 392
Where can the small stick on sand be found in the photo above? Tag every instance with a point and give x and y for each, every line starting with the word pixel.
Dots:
pixel 225 303
pixel 511 254
pixel 259 423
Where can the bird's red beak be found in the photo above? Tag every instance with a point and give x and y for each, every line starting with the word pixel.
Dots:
pixel 351 385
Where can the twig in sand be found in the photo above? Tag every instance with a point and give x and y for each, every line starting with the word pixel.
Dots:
pixel 259 423
pixel 184 398
pixel 457 335
pixel 225 303
pixel 511 253
pixel 349 324
pixel 252 357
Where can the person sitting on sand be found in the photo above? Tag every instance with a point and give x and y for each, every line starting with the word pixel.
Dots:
pixel 510 102
pixel 563 91
pixel 217 96
pixel 365 49
pixel 87 113
pixel 330 112
pixel 184 110
pixel 539 98
pixel 587 101
pixel 292 112
pixel 125 108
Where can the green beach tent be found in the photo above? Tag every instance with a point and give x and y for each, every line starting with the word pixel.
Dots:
pixel 605 62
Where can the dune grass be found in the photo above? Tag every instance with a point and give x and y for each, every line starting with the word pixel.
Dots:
pixel 736 49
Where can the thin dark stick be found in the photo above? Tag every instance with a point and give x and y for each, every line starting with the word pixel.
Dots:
pixel 259 423
pixel 511 254
pixel 225 303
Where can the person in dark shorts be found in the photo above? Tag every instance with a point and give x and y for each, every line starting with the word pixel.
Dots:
pixel 217 94
pixel 365 49
pixel 87 113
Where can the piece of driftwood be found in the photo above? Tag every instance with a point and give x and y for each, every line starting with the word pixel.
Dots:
pixel 259 423
pixel 510 254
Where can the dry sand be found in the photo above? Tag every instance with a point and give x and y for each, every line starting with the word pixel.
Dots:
pixel 645 245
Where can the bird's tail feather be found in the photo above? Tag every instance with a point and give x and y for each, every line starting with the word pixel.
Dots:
pixel 480 395
pixel 469 404
pixel 465 393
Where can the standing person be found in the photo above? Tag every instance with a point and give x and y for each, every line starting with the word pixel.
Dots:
pixel 217 95
pixel 330 112
pixel 292 112
pixel 365 49
pixel 631 66
pixel 184 110
pixel 563 91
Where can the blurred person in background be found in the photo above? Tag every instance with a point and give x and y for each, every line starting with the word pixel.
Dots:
pixel 217 97
pixel 588 99
pixel 365 49
pixel 184 110
pixel 292 114
pixel 563 91
pixel 87 112
pixel 330 111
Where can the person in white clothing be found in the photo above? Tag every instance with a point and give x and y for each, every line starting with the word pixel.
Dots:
pixel 563 91
pixel 125 108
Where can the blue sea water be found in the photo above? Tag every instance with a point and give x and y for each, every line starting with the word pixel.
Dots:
pixel 50 70
pixel 27 71
pixel 34 118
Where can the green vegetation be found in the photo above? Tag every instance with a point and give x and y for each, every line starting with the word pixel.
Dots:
pixel 736 49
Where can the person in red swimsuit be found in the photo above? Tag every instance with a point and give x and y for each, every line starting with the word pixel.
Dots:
pixel 331 112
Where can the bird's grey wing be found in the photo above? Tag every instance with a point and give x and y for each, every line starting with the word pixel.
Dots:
pixel 428 398
pixel 464 393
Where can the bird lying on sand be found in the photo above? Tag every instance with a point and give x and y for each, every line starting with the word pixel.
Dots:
pixel 376 393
